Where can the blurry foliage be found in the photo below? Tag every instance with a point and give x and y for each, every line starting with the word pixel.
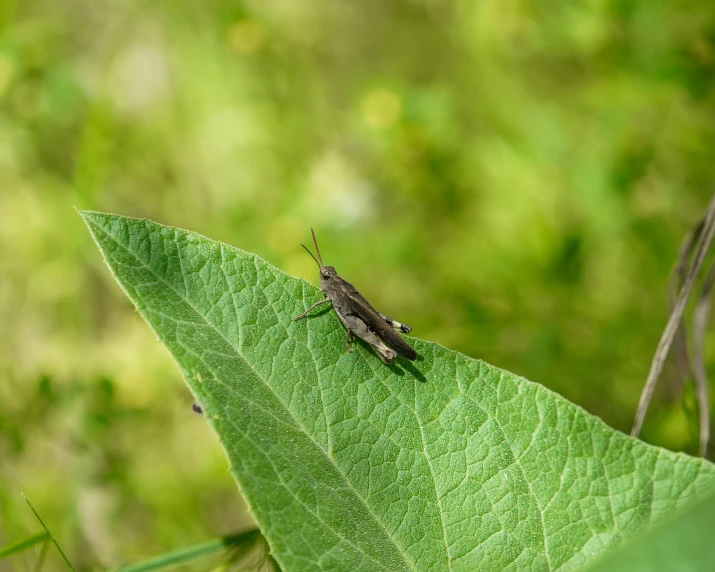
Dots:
pixel 512 179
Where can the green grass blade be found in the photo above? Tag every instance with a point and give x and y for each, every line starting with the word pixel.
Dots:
pixel 21 545
pixel 43 555
pixel 49 534
pixel 243 541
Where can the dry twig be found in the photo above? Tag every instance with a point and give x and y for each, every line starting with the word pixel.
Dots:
pixel 702 236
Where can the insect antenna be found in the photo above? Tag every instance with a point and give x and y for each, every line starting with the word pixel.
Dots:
pixel 314 258
pixel 315 242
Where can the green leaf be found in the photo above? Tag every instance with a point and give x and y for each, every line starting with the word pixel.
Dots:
pixel 684 544
pixel 446 463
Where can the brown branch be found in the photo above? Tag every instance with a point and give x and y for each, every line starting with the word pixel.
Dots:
pixel 675 319
pixel 701 316
pixel 675 283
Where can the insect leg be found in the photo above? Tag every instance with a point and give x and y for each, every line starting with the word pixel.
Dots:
pixel 360 329
pixel 404 328
pixel 323 301
pixel 348 339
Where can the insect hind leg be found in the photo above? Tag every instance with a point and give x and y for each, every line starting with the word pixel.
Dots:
pixel 359 329
pixel 404 328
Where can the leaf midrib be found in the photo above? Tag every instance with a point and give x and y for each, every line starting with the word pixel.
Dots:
pixel 420 424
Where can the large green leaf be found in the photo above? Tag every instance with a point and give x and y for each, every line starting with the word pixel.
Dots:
pixel 446 463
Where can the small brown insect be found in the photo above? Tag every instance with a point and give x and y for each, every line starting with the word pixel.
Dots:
pixel 358 316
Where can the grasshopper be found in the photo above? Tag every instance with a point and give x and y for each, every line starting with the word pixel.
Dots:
pixel 358 316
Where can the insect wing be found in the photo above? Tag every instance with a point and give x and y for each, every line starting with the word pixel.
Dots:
pixel 383 330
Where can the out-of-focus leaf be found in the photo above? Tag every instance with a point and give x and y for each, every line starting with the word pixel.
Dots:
pixel 684 544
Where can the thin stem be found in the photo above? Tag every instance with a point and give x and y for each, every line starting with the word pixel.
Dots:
pixel 676 316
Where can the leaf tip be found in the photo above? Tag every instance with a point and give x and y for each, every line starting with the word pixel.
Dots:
pixel 88 215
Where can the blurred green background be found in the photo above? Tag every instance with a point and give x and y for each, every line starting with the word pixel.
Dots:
pixel 511 178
